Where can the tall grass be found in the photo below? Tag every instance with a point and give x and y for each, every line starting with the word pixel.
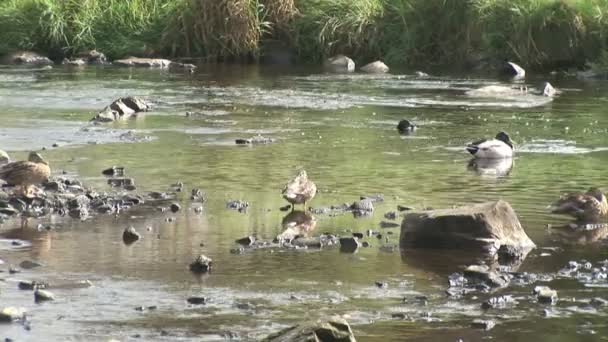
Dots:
pixel 407 32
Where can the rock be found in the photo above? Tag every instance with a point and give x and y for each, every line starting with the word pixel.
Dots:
pixel 339 63
pixel 399 315
pixel 548 90
pixel 197 195
pixel 202 264
pixel 31 285
pixel 143 62
pixel 246 241
pixel 285 208
pixel 43 296
pixel 485 227
pixel 385 224
pixel 406 127
pixel 363 207
pixel 358 235
pixel 130 235
pixel 391 215
pixel 381 284
pixel 74 62
pixel 240 206
pixel 484 274
pixel 182 66
pixel 403 208
pixel 513 70
pixel 197 300
pixel 114 171
pixel 545 294
pixel 324 240
pixel 483 324
pixel 93 57
pixel 175 207
pixel 332 330
pixel 27 58
pixel 376 67
pixel 122 108
pixel 28 264
pixel 349 244
pixel 255 140
pixel 121 182
pixel 419 73
pixel 498 302
pixel 10 314
pixel 597 301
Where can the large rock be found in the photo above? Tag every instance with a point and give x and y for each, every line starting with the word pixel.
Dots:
pixel 376 67
pixel 26 57
pixel 333 330
pixel 122 108
pixel 143 62
pixel 93 57
pixel 485 227
pixel 339 63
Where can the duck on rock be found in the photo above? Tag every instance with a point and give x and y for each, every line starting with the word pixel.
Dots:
pixel 299 190
pixel 26 173
pixel 590 206
pixel 499 147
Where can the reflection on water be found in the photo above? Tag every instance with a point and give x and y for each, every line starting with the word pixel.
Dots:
pixel 342 130
pixel 491 167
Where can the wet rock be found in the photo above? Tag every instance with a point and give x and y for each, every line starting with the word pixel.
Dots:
pixel 483 273
pixel 28 264
pixel 121 182
pixel 483 227
pixel 285 208
pixel 197 195
pixel 349 244
pixel 376 67
pixel 406 127
pixel 43 296
pixel 419 73
pixel 513 70
pixel 339 64
pixel 13 270
pixel 130 235
pixel 483 324
pixel 175 207
pixel 176 66
pixel 381 284
pixel 116 171
pixel 334 329
pixel 403 208
pixel 385 224
pixel 93 57
pixel 143 62
pixel 255 140
pixel 391 215
pixel 10 314
pixel 76 62
pixel 322 241
pixel 31 285
pixel 498 302
pixel 377 198
pixel 545 294
pixel 246 241
pixel 388 248
pixel 122 108
pixel 202 264
pixel 26 58
pixel 363 207
pixel 197 300
pixel 597 302
pixel 240 206
pixel 358 235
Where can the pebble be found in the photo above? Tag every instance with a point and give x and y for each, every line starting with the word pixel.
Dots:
pixel 175 207
pixel 545 295
pixel 43 295
pixel 483 324
pixel 202 264
pixel 130 235
pixel 9 314
pixel 197 300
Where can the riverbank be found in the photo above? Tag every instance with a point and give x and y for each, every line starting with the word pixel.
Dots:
pixel 545 34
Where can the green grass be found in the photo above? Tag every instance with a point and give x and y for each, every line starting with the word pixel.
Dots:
pixel 536 33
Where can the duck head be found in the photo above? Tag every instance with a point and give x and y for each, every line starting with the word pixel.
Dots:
pixel 36 158
pixel 504 137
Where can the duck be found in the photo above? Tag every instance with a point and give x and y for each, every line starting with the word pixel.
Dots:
pixel 26 173
pixel 4 158
pixel 589 206
pixel 299 190
pixel 499 147
pixel 406 127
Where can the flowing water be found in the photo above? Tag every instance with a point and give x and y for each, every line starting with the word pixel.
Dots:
pixel 342 130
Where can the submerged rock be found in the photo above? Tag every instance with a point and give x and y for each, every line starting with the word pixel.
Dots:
pixel 246 241
pixel 197 300
pixel 255 140
pixel 349 244
pixel 240 206
pixel 93 57
pixel 122 108
pixel 176 66
pixel 202 264
pixel 483 273
pixel 32 285
pixel 26 58
pixel 339 63
pixel 9 314
pixel 331 330
pixel 130 235
pixel 484 227
pixel 43 296
pixel 377 67
pixel 483 324
pixel 143 62
pixel 406 127
pixel 545 295
pixel 116 171
pixel 364 207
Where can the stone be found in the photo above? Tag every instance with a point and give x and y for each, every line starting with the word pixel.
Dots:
pixel 246 241
pixel 114 171
pixel 28 264
pixel 202 264
pixel 240 206
pixel 513 70
pixel 27 58
pixel 122 108
pixel 143 62
pixel 93 57
pixel 121 182
pixel 385 224
pixel 339 64
pixel 175 207
pixel 391 215
pixel 197 300
pixel 363 207
pixel 597 301
pixel 358 235
pixel 43 296
pixel 486 275
pixel 285 208
pixel 484 227
pixel 483 324
pixel 176 66
pixel 74 62
pixel 130 235
pixel 32 285
pixel 498 302
pixel 377 67
pixel 255 140
pixel 545 295
pixel 349 244
pixel 335 329
pixel 9 314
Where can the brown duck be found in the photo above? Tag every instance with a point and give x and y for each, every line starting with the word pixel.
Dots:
pixel 588 207
pixel 299 190
pixel 26 173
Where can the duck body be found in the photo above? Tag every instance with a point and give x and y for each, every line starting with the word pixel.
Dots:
pixel 300 189
pixel 26 173
pixel 589 206
pixel 499 147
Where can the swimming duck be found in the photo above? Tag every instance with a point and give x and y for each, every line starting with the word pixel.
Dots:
pixel 26 173
pixel 405 127
pixel 499 147
pixel 588 207
pixel 4 158
pixel 299 190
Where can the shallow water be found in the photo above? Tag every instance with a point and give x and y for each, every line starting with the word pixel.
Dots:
pixel 341 129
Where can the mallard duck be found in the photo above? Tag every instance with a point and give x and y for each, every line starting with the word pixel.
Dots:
pixel 406 127
pixel 499 147
pixel 299 190
pixel 26 173
pixel 589 206
pixel 4 158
